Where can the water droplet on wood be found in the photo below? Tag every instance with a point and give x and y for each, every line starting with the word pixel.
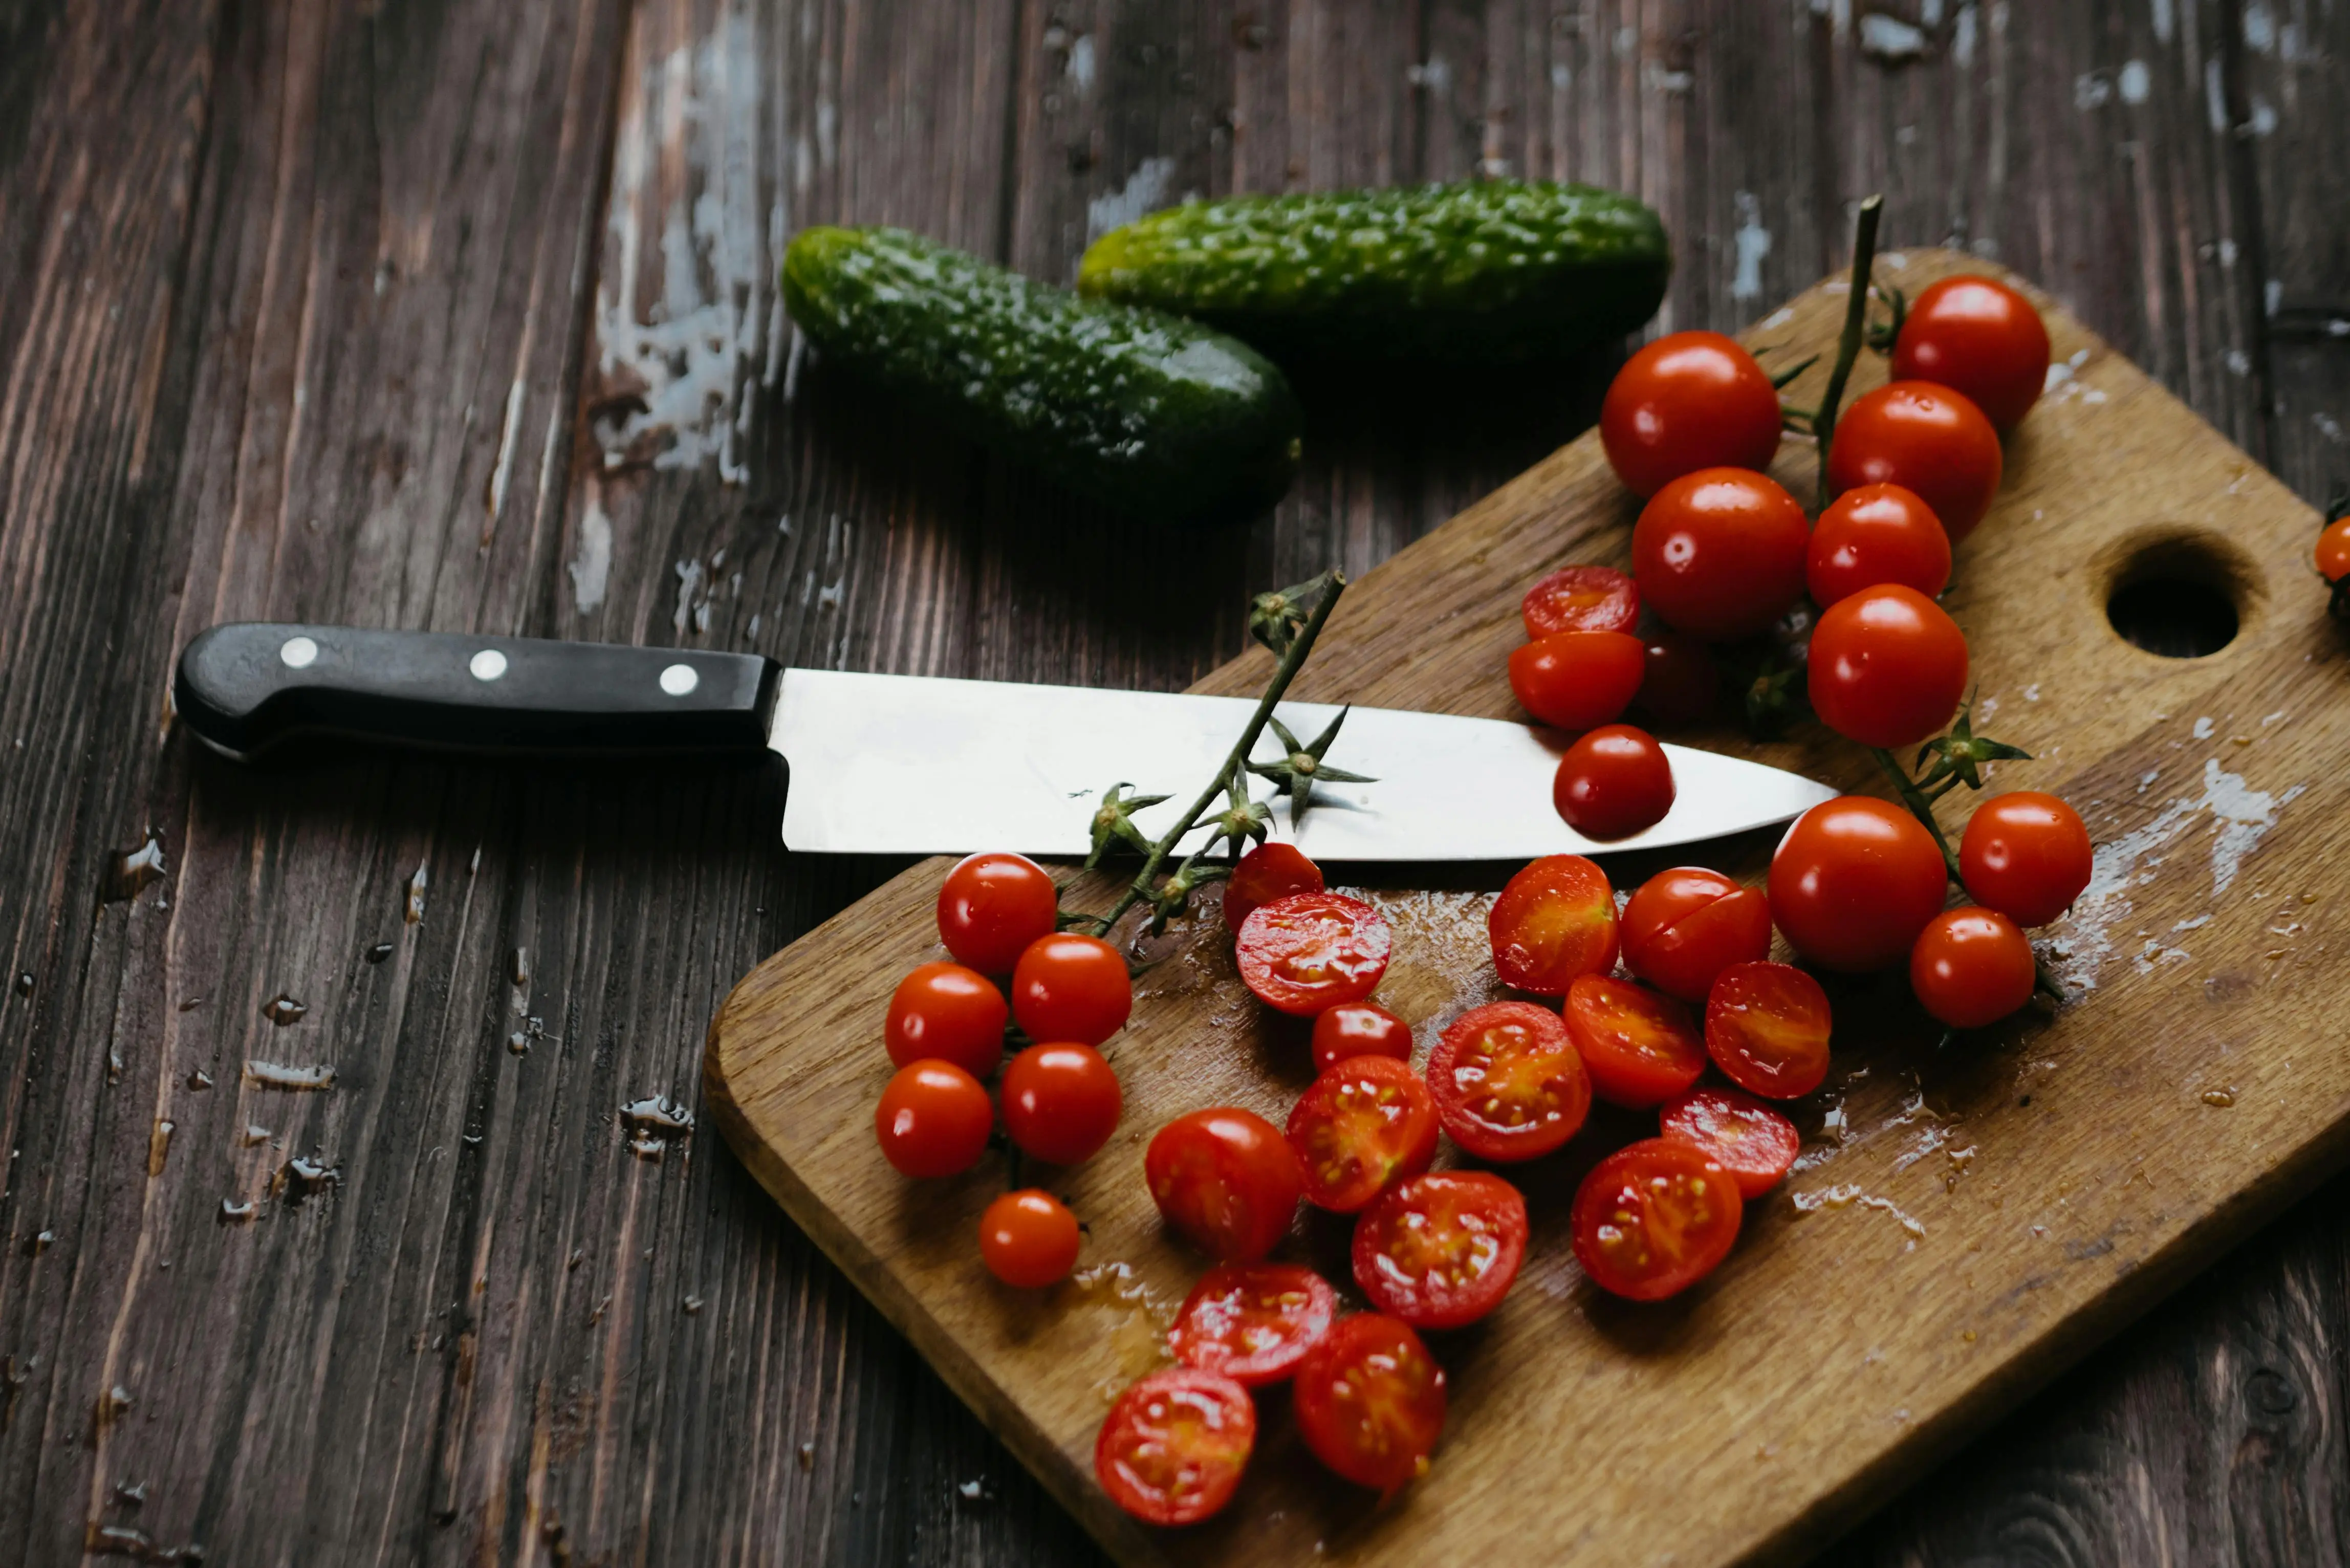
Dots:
pixel 692 1305
pixel 131 1496
pixel 233 1212
pixel 199 1079
pixel 253 1133
pixel 518 1044
pixel 304 1175
pixel 521 968
pixel 378 953
pixel 283 1009
pixel 276 1075
pixel 413 910
pixel 24 982
pixel 2223 1099
pixel 807 1456
pixel 111 1404
pixel 191 1004
pixel 158 1148
pixel 38 1242
pixel 134 869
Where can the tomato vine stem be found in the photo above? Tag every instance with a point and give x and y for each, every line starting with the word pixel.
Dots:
pixel 1855 331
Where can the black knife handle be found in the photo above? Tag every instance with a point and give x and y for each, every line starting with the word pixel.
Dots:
pixel 242 688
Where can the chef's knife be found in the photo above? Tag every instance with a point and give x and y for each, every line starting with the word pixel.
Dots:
pixel 908 765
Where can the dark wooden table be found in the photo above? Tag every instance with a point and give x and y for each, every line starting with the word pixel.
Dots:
pixel 460 313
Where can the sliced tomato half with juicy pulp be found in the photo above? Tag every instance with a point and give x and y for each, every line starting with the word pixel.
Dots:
pixel 1370 1401
pixel 1365 1124
pixel 1508 1082
pixel 1746 1137
pixel 1766 1027
pixel 1640 1049
pixel 1252 1321
pixel 1555 921
pixel 1440 1251
pixel 1654 1218
pixel 1267 872
pixel 1311 950
pixel 1581 599
pixel 1173 1448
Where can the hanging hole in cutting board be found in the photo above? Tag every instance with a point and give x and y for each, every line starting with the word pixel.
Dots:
pixel 2178 595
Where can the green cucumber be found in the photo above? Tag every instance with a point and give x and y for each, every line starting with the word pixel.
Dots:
pixel 1486 273
pixel 1145 410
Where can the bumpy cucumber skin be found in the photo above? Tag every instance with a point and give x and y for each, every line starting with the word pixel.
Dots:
pixel 1488 273
pixel 1151 413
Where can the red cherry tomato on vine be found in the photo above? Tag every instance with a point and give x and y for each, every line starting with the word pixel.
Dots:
pixel 1363 1126
pixel 1173 1448
pixel 1978 336
pixel 1687 401
pixel 1311 950
pixel 1440 1251
pixel 1060 1102
pixel 1029 1239
pixel 2333 550
pixel 1071 987
pixel 1226 1180
pixel 2026 854
pixel 1924 438
pixel 1687 925
pixel 1358 1029
pixel 991 907
pixel 933 1119
pixel 1508 1082
pixel 1252 1321
pixel 1613 783
pixel 1679 683
pixel 1888 667
pixel 1267 872
pixel 1767 1028
pixel 948 1012
pixel 1877 534
pixel 1855 881
pixel 1640 1049
pixel 1581 599
pixel 1720 552
pixel 1578 680
pixel 1653 1219
pixel 1746 1137
pixel 1971 967
pixel 1555 920
pixel 1369 1401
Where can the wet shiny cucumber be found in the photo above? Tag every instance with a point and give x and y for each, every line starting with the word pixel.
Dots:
pixel 1486 273
pixel 1149 411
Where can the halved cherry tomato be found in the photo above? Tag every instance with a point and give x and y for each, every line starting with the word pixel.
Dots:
pixel 2333 550
pixel 1613 783
pixel 1581 599
pixel 1072 987
pixel 2026 854
pixel 1654 1218
pixel 1640 1049
pixel 1358 1029
pixel 1226 1180
pixel 1440 1250
pixel 933 1119
pixel 1971 967
pixel 1767 1028
pixel 1061 1102
pixel 949 1014
pixel 1252 1321
pixel 1508 1082
pixel 1679 683
pixel 1978 336
pixel 1577 679
pixel 1740 1133
pixel 1173 1448
pixel 1720 552
pixel 1370 1401
pixel 1877 534
pixel 1855 881
pixel 1028 1239
pixel 991 907
pixel 1687 401
pixel 1365 1124
pixel 1687 925
pixel 1555 920
pixel 1888 667
pixel 1267 872
pixel 1311 950
pixel 1924 438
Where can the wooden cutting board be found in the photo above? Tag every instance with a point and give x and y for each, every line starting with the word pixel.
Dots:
pixel 1964 1223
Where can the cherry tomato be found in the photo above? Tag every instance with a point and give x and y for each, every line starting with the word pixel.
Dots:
pixel 1766 1027
pixel 1888 667
pixel 1508 1082
pixel 1578 680
pixel 1581 599
pixel 1687 401
pixel 1060 1102
pixel 1687 925
pixel 1971 967
pixel 993 906
pixel 1555 920
pixel 1440 1251
pixel 1678 682
pixel 1927 439
pixel 949 1014
pixel 1071 987
pixel 1028 1239
pixel 1370 1401
pixel 933 1119
pixel 1311 950
pixel 1173 1448
pixel 2333 550
pixel 1653 1219
pixel 1720 552
pixel 1640 1049
pixel 2025 854
pixel 1613 783
pixel 1877 534
pixel 1365 1124
pixel 1226 1180
pixel 1737 1132
pixel 1358 1029
pixel 1252 1321
pixel 1978 336
pixel 1267 872
pixel 1855 881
